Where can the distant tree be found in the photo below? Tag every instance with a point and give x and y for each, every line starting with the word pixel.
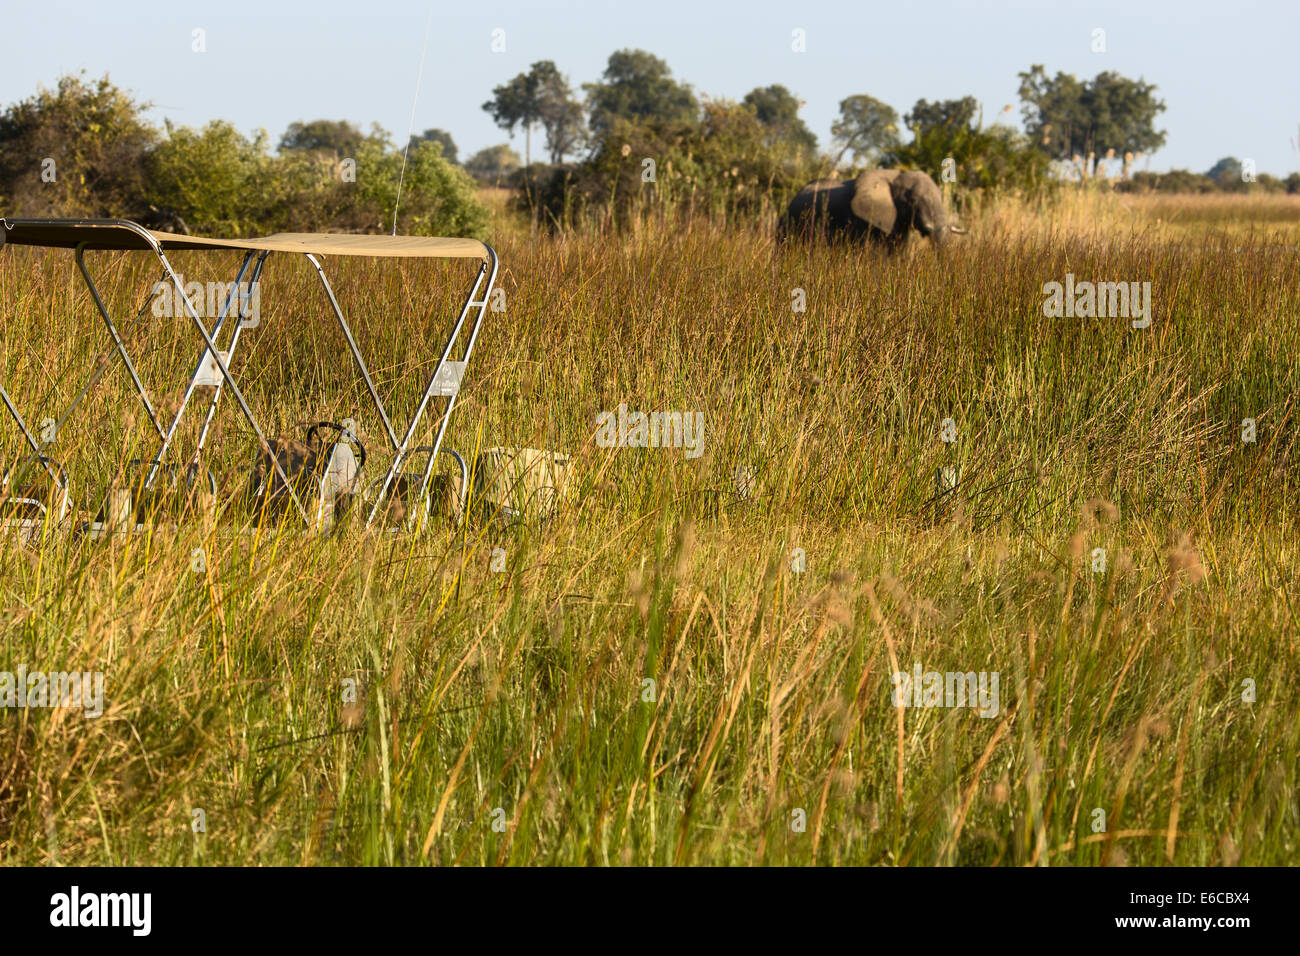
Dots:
pixel 866 128
pixel 442 138
pixel 1292 183
pixel 493 164
pixel 558 110
pixel 1066 117
pixel 638 86
pixel 338 135
pixel 513 104
pixel 95 136
pixel 541 96
pixel 948 115
pixel 778 110
pixel 1226 171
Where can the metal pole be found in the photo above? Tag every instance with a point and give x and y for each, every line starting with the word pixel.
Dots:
pixel 185 399
pixel 117 339
pixel 263 444
pixel 356 353
pixel 234 340
pixel 101 368
pixel 428 391
pixel 22 425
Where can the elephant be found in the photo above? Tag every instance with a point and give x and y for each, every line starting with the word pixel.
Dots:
pixel 880 204
pixel 162 219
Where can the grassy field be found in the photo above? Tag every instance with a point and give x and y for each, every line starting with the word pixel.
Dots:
pixel 682 667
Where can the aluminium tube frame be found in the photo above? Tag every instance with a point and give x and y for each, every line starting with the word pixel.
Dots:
pixel 244 408
pixel 487 269
pixel 402 448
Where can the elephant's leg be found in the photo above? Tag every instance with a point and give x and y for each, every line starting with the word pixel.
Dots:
pixel 895 242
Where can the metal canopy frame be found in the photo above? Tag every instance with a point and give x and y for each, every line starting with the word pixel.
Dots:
pixel 84 235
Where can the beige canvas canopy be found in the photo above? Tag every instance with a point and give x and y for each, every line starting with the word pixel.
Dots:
pixel 96 234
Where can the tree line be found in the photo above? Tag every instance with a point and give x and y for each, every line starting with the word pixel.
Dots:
pixel 84 148
pixel 637 139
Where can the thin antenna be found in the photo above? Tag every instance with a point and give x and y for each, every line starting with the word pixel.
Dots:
pixel 410 127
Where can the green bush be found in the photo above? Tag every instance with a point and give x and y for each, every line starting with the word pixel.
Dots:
pixel 220 181
pixel 1182 181
pixel 108 162
pixel 227 184
pixel 725 166
pixel 437 196
pixel 995 158
pixel 95 136
pixel 1174 181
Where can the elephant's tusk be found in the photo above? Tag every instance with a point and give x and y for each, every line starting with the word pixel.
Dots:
pixel 959 230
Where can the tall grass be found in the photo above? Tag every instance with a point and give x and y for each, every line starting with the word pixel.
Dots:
pixel 508 717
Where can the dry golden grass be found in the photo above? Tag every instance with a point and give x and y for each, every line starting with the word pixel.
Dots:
pixel 507 718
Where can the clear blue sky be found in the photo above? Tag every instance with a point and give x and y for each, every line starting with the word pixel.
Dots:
pixel 1226 70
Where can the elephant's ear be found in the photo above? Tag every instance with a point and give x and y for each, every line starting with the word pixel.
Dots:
pixel 872 201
